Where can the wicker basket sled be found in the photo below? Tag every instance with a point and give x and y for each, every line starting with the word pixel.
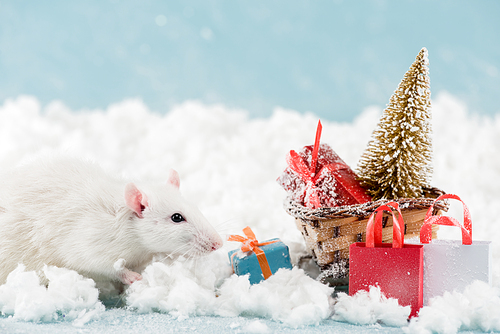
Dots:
pixel 329 231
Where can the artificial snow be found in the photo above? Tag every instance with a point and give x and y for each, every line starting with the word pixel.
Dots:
pixel 477 308
pixel 228 164
pixel 256 327
pixel 370 307
pixel 186 289
pixel 68 296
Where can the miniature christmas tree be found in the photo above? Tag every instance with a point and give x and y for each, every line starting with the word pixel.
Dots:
pixel 397 161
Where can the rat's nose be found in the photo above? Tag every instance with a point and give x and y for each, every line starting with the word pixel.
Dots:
pixel 216 245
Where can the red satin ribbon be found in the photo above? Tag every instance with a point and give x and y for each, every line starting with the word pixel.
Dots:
pixel 250 244
pixel 308 174
pixel 426 229
pixel 374 228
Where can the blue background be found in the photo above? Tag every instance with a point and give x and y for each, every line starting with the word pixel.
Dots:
pixel 330 57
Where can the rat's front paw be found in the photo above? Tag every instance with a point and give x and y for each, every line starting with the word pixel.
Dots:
pixel 128 277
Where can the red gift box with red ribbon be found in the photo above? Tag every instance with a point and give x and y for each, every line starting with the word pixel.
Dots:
pixel 318 177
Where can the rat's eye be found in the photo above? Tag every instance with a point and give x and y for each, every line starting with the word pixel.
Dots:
pixel 177 218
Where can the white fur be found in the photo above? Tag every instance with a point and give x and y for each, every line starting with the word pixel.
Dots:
pixel 69 213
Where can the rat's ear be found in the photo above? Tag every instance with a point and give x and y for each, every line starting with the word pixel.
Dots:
pixel 135 199
pixel 173 178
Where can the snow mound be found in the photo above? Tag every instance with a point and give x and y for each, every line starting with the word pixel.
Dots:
pixel 370 307
pixel 68 296
pixel 183 288
pixel 477 308
pixel 187 288
pixel 288 296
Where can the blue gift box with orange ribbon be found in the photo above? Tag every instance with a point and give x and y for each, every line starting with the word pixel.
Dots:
pixel 259 260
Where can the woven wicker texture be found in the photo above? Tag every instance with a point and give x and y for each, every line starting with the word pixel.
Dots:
pixel 329 231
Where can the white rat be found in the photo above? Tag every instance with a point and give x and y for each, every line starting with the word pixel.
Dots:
pixel 70 213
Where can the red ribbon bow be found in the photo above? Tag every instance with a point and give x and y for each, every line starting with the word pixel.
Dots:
pixel 308 174
pixel 250 244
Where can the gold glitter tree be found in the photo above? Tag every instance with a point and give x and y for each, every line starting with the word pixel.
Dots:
pixel 397 161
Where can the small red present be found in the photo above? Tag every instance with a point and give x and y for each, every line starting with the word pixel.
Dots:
pixel 317 177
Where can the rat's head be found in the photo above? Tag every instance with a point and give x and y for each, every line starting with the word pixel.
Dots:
pixel 166 223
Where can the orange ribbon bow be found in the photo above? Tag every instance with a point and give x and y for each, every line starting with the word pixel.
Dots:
pixel 250 244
